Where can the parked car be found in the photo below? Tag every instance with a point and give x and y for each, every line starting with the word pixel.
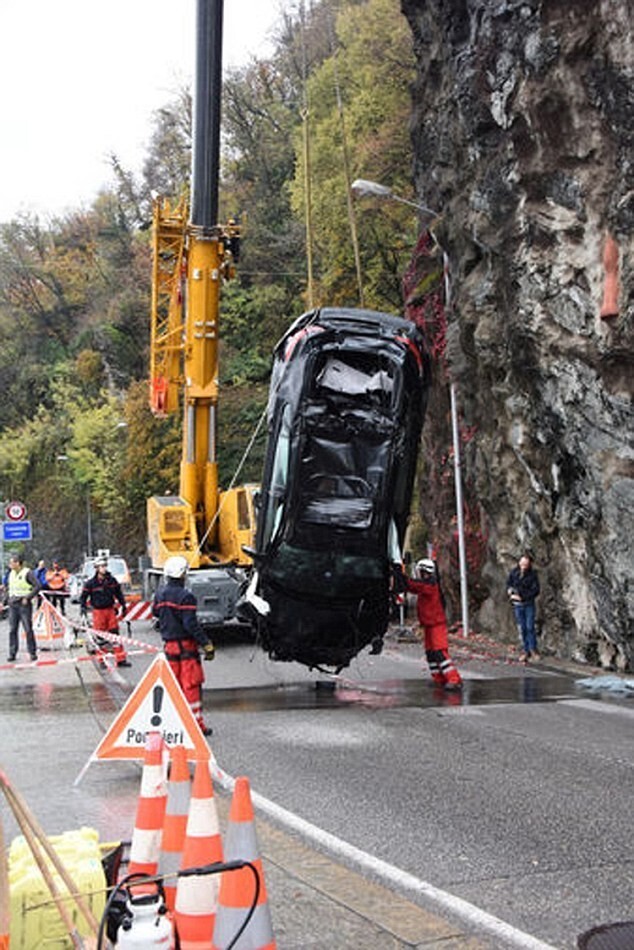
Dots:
pixel 117 566
pixel 346 406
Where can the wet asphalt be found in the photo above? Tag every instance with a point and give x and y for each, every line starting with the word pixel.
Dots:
pixel 52 718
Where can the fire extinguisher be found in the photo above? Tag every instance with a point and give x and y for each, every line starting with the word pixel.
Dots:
pixel 145 922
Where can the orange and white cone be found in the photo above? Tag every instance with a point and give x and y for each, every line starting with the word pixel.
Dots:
pixel 148 826
pixel 175 824
pixel 197 894
pixel 237 887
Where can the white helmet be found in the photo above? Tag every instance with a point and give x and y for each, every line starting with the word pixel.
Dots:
pixel 175 567
pixel 101 561
pixel 426 566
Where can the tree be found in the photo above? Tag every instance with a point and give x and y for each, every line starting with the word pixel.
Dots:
pixel 359 103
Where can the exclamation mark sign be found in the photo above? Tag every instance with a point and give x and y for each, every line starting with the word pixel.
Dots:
pixel 157 702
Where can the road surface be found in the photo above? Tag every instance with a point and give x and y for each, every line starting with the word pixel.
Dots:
pixel 503 814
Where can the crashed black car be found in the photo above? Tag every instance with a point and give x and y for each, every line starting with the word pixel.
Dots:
pixel 346 406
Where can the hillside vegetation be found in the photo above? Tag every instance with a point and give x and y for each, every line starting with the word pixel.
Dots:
pixel 76 433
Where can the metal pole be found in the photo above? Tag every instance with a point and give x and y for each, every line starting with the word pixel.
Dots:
pixel 88 523
pixel 462 555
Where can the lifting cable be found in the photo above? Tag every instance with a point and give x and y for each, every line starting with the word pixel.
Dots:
pixel 234 479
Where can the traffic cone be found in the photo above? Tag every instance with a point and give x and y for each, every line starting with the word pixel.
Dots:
pixel 197 895
pixel 148 827
pixel 237 887
pixel 175 824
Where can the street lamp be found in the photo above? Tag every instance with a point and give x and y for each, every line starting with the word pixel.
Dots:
pixel 363 189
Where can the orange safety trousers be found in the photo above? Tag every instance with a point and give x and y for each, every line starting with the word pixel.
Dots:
pixel 105 618
pixel 184 659
pixel 441 666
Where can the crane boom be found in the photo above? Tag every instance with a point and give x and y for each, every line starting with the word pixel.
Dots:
pixel 191 258
pixel 199 469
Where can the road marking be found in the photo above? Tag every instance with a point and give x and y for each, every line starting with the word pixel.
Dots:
pixel 400 880
pixel 597 705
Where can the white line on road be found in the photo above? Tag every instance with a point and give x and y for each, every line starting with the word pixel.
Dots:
pixel 403 881
pixel 597 705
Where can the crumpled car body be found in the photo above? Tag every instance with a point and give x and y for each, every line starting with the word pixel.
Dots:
pixel 346 407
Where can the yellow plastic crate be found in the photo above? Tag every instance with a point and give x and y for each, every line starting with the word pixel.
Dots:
pixel 36 927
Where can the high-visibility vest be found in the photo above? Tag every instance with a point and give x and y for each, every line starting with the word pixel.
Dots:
pixel 19 586
pixel 56 580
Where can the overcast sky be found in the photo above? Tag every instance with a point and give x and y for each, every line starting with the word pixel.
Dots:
pixel 80 79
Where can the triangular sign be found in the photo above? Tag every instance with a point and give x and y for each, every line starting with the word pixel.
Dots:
pixel 157 704
pixel 47 623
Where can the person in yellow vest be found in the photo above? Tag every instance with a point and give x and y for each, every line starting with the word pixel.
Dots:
pixel 57 584
pixel 23 587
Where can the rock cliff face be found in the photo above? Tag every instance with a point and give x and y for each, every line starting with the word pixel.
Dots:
pixel 523 127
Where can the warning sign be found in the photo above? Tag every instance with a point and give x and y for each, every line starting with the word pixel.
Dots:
pixel 156 705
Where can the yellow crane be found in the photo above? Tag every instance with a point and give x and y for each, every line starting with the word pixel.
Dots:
pixel 192 255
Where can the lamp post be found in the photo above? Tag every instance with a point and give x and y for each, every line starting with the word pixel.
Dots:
pixel 363 188
pixel 64 458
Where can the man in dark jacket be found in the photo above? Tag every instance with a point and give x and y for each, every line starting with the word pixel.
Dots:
pixel 102 592
pixel 182 634
pixel 22 586
pixel 522 586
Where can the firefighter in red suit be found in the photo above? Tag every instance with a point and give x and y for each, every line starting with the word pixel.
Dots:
pixel 102 592
pixel 431 616
pixel 175 607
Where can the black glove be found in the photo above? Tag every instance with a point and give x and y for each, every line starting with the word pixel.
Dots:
pixel 209 651
pixel 399 579
pixel 83 613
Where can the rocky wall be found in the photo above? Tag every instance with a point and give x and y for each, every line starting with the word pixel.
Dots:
pixel 522 128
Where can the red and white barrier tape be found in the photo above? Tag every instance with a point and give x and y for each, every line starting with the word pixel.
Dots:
pixel 118 638
pixel 66 660
pixel 91 633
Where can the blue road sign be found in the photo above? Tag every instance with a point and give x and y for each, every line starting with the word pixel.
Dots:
pixel 16 531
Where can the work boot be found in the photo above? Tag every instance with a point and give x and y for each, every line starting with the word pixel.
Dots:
pixel 453 680
pixel 453 687
pixel 206 730
pixel 125 662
